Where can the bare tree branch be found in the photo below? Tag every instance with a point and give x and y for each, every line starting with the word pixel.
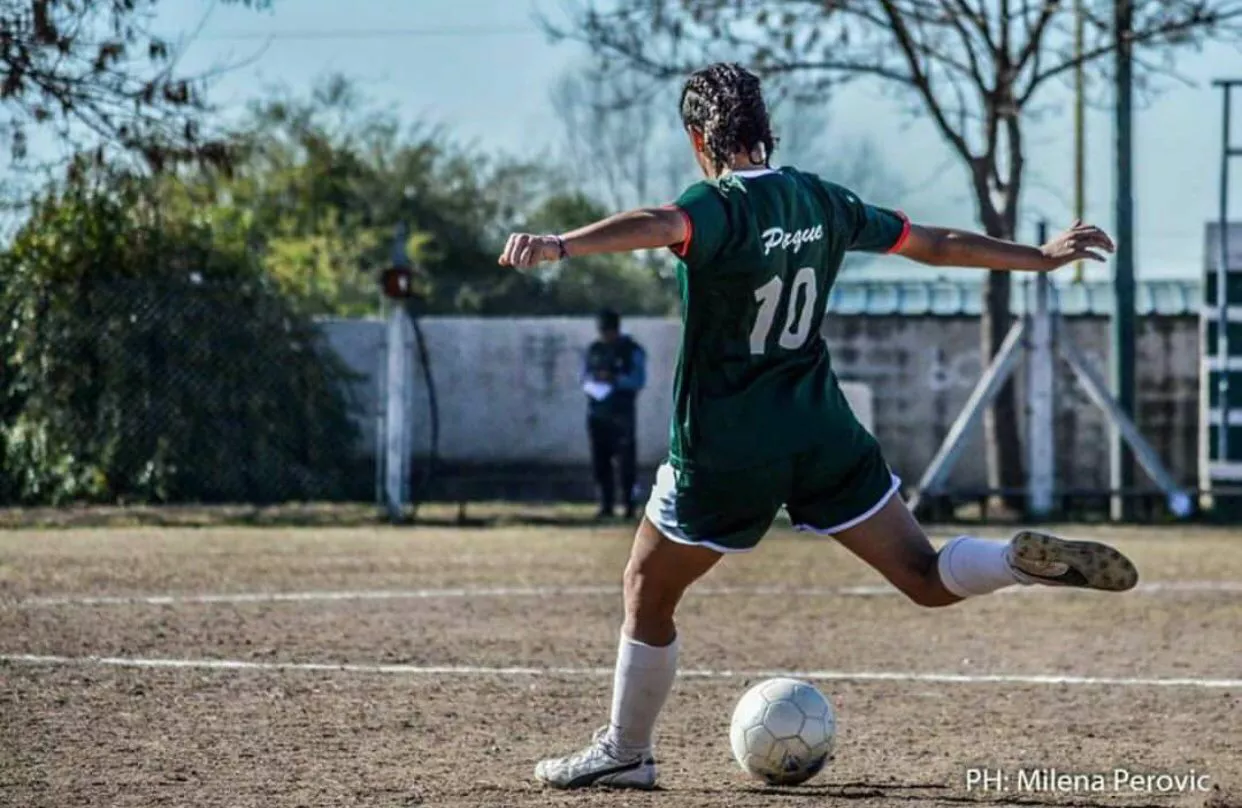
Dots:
pixel 1198 21
pixel 919 78
pixel 1035 34
pixel 96 74
pixel 967 42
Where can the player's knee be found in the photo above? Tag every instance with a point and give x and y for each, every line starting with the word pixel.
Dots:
pixel 920 582
pixel 646 590
pixel 650 601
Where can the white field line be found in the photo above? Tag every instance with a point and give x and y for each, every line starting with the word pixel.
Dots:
pixel 538 672
pixel 874 590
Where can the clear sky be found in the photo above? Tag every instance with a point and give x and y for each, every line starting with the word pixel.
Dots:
pixel 493 87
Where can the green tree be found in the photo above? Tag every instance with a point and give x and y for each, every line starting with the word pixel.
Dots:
pixel 321 183
pixel 148 357
pixel 582 286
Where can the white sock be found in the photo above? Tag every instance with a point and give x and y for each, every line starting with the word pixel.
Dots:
pixel 970 566
pixel 640 686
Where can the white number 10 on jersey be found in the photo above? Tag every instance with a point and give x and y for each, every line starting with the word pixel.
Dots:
pixel 797 321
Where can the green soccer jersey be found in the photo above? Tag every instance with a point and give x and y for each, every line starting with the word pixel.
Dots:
pixel 753 381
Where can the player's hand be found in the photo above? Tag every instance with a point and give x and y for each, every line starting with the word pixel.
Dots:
pixel 525 250
pixel 1081 242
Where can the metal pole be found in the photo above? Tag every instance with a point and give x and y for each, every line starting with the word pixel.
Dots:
pixel 1222 293
pixel 1121 359
pixel 381 410
pixel 397 395
pixel 1080 127
pixel 1040 429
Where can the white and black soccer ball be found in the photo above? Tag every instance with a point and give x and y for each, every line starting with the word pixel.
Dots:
pixel 783 731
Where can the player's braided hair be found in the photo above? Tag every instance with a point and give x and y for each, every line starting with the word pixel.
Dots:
pixel 724 101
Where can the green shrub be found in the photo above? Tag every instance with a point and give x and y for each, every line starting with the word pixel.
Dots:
pixel 148 358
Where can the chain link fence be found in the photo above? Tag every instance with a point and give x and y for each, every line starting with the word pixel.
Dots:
pixel 185 391
pixel 178 391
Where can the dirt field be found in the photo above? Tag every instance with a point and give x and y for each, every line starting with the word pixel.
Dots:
pixel 203 667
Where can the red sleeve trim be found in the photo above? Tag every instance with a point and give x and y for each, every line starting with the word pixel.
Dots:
pixel 683 249
pixel 905 233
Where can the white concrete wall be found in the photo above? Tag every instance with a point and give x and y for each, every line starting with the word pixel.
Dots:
pixel 509 390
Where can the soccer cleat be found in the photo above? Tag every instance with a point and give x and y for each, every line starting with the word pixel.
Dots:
pixel 598 765
pixel 1041 558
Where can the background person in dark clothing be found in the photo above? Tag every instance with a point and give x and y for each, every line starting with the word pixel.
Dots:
pixel 616 369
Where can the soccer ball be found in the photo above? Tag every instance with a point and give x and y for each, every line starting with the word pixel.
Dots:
pixel 783 731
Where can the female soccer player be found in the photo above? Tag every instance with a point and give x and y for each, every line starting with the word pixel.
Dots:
pixel 759 420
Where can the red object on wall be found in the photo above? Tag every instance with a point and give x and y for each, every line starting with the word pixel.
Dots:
pixel 397 282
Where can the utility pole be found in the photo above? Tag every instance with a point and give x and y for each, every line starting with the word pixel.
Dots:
pixel 1121 355
pixel 395 283
pixel 1080 126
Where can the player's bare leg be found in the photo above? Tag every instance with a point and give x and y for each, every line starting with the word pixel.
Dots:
pixel 894 544
pixel 657 575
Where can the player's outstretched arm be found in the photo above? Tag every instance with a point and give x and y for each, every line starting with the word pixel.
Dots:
pixel 642 229
pixel 944 247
